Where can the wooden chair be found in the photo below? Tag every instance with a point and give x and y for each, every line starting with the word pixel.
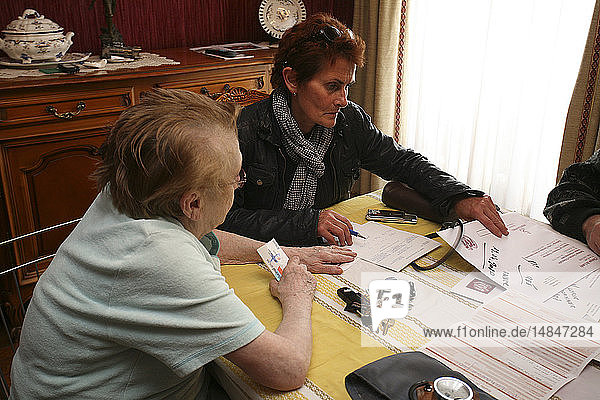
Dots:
pixel 240 95
pixel 11 317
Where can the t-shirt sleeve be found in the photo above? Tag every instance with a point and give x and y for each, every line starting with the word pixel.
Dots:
pixel 172 303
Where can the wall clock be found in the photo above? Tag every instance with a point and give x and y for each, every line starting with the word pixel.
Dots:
pixel 277 16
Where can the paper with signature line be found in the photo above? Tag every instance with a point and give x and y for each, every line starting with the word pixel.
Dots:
pixel 533 259
pixel 390 247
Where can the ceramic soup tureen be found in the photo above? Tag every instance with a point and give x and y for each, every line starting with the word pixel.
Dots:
pixel 34 37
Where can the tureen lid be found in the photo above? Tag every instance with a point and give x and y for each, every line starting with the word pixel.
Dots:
pixel 32 22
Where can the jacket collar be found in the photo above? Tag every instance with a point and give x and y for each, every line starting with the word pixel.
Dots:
pixel 269 128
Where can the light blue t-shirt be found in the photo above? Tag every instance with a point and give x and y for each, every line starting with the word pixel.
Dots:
pixel 128 309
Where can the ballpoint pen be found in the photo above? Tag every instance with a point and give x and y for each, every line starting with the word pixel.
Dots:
pixel 354 233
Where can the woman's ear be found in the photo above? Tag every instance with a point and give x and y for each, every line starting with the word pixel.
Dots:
pixel 191 205
pixel 291 79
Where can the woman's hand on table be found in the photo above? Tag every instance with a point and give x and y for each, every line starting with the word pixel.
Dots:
pixel 296 283
pixel 322 259
pixel 483 210
pixel 591 230
pixel 280 359
pixel 332 225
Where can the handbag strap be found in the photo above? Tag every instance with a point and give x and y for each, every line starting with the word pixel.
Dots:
pixel 452 249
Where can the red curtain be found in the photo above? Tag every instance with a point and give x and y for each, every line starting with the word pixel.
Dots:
pixel 161 24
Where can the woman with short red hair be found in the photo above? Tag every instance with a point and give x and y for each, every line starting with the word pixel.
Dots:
pixel 304 146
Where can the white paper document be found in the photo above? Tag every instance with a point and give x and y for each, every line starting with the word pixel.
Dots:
pixel 476 286
pixel 533 259
pixel 390 247
pixel 579 300
pixel 523 364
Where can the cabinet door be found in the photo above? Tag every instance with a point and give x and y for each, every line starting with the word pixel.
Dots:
pixel 49 140
pixel 46 182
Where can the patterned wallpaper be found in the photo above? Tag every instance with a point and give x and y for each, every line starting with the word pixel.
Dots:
pixel 156 24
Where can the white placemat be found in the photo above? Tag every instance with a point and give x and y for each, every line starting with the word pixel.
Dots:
pixel 147 60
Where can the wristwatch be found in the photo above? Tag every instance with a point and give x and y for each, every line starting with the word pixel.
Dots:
pixel 277 16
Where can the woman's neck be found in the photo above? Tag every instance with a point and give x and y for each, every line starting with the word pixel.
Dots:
pixel 304 123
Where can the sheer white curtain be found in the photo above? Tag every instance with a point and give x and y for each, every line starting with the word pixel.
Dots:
pixel 487 88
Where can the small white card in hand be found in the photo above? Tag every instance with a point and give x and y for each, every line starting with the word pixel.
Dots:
pixel 274 257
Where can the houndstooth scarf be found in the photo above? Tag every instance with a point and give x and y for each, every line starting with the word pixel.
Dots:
pixel 308 154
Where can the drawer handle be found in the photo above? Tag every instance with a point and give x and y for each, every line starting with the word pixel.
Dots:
pixel 126 100
pixel 68 115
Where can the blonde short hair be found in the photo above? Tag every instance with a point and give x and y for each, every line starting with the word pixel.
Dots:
pixel 171 142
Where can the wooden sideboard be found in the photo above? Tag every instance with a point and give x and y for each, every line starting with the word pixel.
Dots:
pixel 46 159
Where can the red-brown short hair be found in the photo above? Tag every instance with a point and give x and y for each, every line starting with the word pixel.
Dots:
pixel 306 52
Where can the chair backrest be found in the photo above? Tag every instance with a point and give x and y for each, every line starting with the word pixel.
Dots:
pixel 241 96
pixel 12 309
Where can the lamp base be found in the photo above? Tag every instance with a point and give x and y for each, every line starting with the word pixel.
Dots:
pixel 120 50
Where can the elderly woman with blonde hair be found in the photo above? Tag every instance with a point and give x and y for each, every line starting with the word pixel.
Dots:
pixel 133 304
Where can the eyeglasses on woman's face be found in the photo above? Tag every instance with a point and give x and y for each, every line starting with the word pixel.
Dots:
pixel 240 180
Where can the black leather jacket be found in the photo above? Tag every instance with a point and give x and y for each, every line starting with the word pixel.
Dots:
pixel 575 198
pixel 257 210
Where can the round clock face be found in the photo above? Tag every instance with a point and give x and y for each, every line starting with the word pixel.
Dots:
pixel 277 16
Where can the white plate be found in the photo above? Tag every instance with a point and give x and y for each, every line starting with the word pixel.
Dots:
pixel 277 16
pixel 68 58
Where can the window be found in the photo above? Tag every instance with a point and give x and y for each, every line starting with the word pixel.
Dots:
pixel 486 90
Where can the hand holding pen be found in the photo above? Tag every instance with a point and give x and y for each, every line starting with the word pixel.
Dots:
pixel 333 226
pixel 354 233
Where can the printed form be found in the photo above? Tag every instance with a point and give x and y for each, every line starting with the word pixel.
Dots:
pixel 533 259
pixel 581 299
pixel 524 364
pixel 390 247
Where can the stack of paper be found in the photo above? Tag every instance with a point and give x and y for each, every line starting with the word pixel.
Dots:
pixel 540 351
pixel 534 260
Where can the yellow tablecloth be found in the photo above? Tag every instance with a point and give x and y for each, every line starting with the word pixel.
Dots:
pixel 338 347
pixel 341 344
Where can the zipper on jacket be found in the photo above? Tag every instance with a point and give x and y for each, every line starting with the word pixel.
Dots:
pixel 335 185
pixel 284 168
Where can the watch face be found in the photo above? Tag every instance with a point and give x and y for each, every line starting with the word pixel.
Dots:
pixel 450 388
pixel 277 16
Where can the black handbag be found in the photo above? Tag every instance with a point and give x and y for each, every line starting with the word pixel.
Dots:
pixel 393 377
pixel 403 197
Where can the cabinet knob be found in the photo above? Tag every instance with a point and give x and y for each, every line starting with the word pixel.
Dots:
pixel 69 114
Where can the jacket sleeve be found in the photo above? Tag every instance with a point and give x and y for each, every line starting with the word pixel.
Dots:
pixel 575 198
pixel 381 155
pixel 289 228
